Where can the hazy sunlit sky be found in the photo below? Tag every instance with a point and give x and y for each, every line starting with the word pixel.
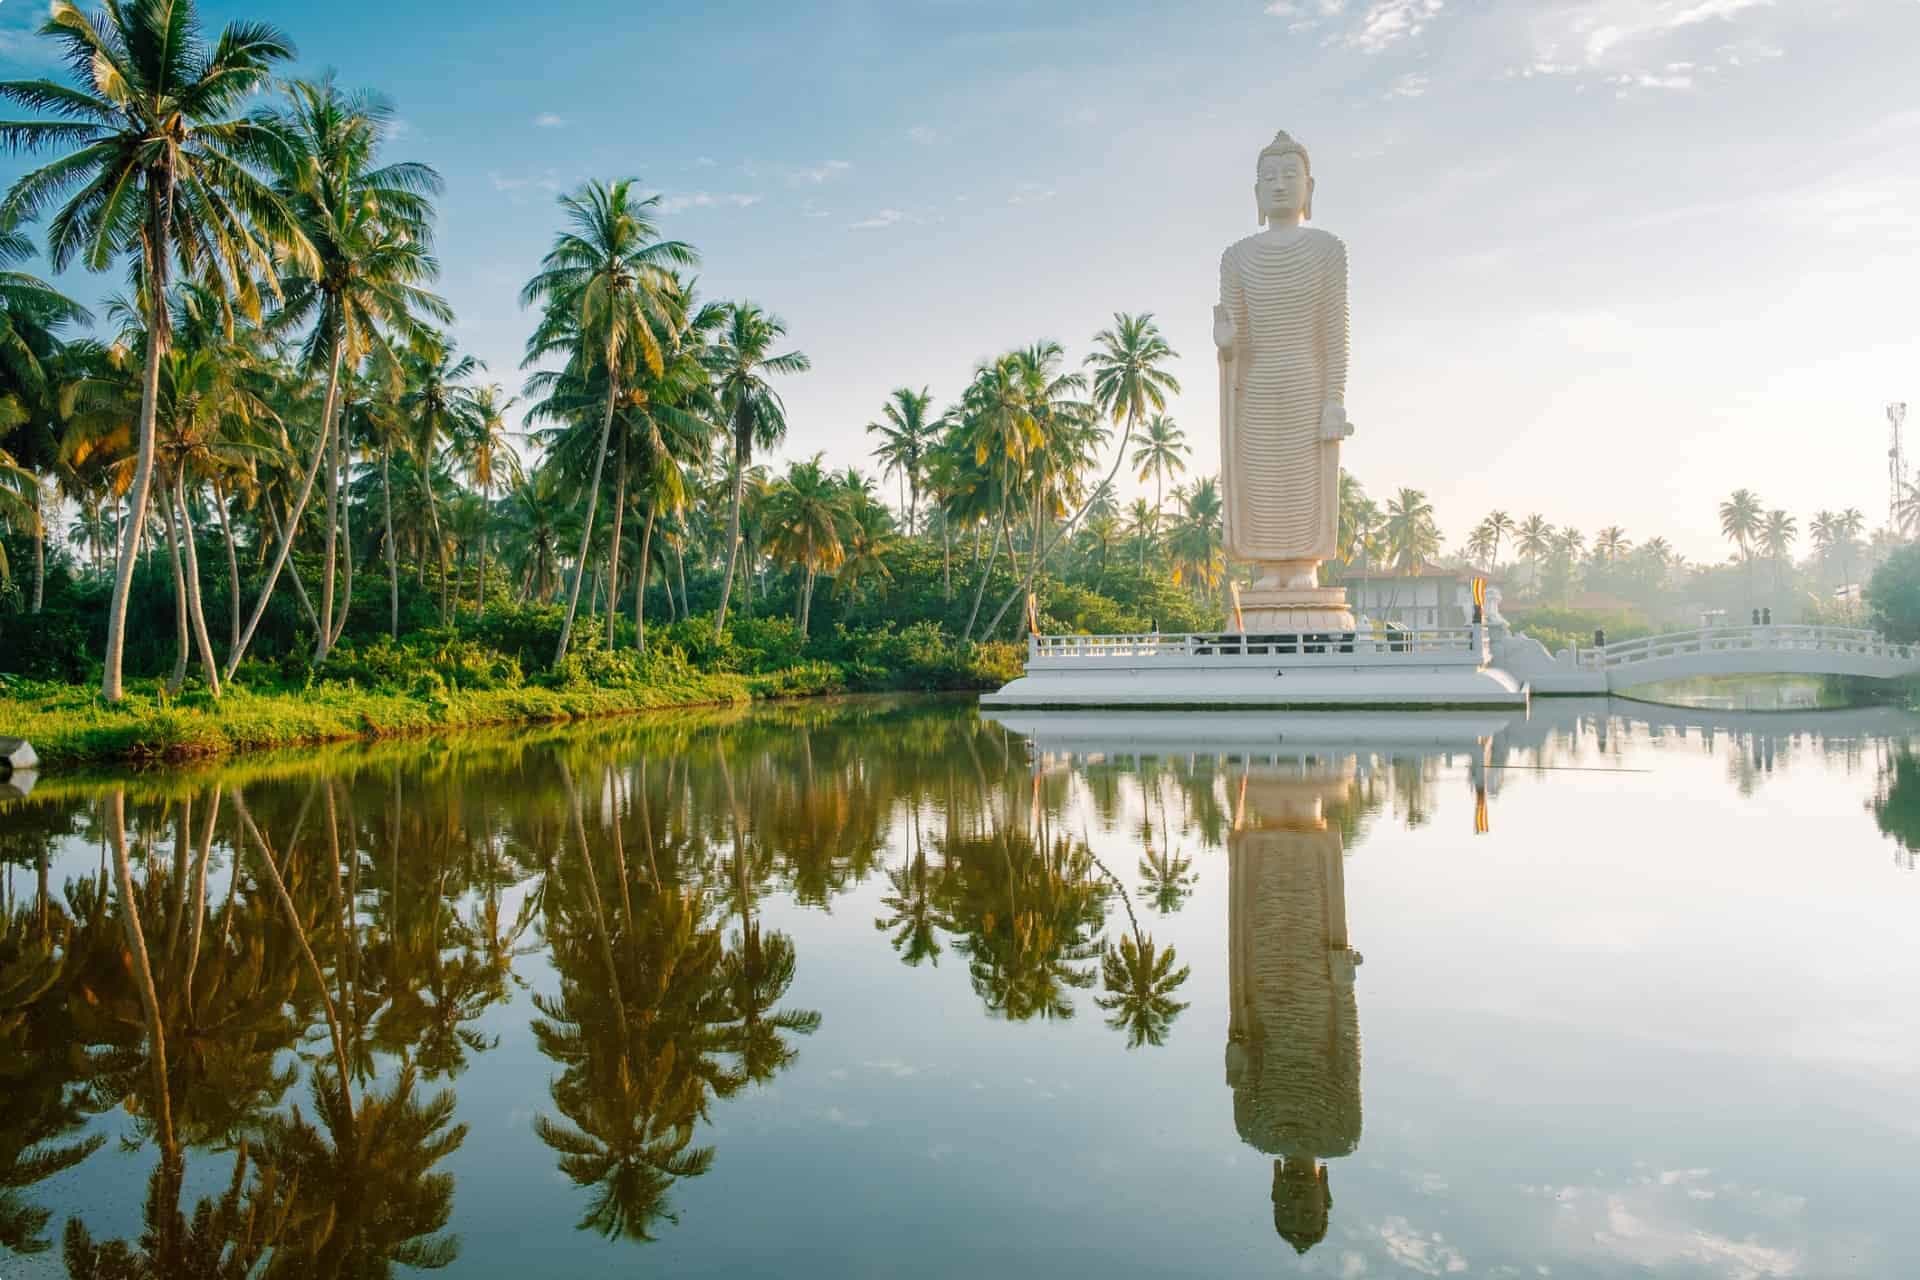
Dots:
pixel 1610 258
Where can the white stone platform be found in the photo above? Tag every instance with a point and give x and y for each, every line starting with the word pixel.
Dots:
pixel 1364 670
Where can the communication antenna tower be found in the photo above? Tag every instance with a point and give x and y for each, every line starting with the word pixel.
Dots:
pixel 1896 462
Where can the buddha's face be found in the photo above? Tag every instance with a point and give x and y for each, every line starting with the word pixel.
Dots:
pixel 1282 188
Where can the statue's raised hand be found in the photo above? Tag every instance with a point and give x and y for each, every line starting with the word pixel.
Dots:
pixel 1333 422
pixel 1224 334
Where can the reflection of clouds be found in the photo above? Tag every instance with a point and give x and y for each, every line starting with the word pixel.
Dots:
pixel 1652 1222
pixel 1425 1252
pixel 894 1067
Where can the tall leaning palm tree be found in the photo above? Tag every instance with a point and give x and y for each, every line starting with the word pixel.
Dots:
pixel 371 228
pixel 155 164
pixel 741 360
pixel 608 288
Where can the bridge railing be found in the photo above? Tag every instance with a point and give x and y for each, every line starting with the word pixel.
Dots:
pixel 1852 641
pixel 1200 646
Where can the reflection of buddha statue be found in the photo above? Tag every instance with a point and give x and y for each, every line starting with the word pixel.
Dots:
pixel 1293 1035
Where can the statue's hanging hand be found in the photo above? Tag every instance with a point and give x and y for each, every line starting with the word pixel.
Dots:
pixel 1333 422
pixel 1224 333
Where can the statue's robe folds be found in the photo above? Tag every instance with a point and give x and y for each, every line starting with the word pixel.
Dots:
pixel 1288 302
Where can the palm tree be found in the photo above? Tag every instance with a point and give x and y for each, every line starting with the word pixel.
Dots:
pixel 1534 537
pixel 33 362
pixel 490 463
pixel 808 517
pixel 1143 526
pixel 1847 529
pixel 1162 453
pixel 1480 543
pixel 1823 529
pixel 906 439
pixel 1500 525
pixel 163 171
pixel 1777 535
pixel 1740 523
pixel 608 289
pixel 438 405
pixel 1194 543
pixel 741 361
pixel 1129 378
pixel 1412 536
pixel 1611 543
pixel 372 232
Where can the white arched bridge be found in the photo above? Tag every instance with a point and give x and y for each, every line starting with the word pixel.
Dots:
pixel 1710 651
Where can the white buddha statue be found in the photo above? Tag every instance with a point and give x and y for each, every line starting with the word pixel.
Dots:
pixel 1281 326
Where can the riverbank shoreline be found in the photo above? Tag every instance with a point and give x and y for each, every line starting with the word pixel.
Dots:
pixel 70 728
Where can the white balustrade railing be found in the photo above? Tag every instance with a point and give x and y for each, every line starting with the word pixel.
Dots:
pixel 1851 641
pixel 1455 642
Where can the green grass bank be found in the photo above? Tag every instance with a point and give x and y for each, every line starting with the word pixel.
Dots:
pixel 433 684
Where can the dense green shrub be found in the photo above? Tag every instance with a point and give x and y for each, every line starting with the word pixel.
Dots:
pixel 1893 595
pixel 1559 629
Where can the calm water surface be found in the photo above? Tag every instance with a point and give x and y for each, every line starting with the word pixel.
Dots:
pixel 888 987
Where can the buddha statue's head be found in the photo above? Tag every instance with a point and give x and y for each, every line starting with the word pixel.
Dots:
pixel 1283 182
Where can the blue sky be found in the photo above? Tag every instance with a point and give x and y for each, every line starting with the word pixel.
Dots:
pixel 1611 258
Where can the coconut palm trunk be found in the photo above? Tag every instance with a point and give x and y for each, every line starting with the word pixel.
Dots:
pixel 197 615
pixel 733 537
pixel 346 535
pixel 330 546
pixel 593 501
pixel 393 553
pixel 233 569
pixel 39 546
pixel 292 525
pixel 181 641
pixel 980 588
pixel 640 576
pixel 159 332
pixel 613 552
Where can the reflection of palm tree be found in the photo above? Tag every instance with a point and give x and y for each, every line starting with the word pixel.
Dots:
pixel 913 918
pixel 37 1107
pixel 359 1190
pixel 1140 980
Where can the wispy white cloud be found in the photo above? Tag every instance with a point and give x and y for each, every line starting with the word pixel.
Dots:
pixel 1304 15
pixel 819 173
pixel 548 120
pixel 884 218
pixel 922 135
pixel 1387 22
pixel 681 201
pixel 1410 85
pixel 1611 23
pixel 1031 193
pixel 547 180
pixel 704 162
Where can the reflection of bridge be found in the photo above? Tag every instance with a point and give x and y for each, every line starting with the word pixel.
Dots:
pixel 1711 651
